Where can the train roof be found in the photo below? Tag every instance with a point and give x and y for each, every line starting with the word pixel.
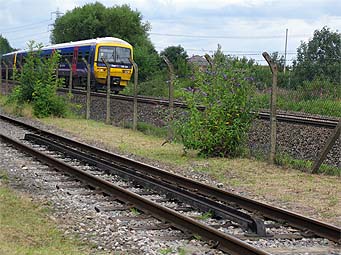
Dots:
pixel 78 43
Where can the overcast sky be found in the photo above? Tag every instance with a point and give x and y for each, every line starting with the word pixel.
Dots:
pixel 241 27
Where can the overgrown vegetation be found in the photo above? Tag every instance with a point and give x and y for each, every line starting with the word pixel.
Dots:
pixel 226 93
pixel 306 165
pixel 37 85
pixel 317 97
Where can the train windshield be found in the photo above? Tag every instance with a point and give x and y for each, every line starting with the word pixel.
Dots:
pixel 114 55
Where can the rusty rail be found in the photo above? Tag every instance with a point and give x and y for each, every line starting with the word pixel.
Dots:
pixel 225 242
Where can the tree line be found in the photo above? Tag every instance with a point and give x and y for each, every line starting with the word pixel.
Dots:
pixel 317 59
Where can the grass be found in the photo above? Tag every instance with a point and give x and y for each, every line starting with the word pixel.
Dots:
pixel 148 129
pixel 3 176
pixel 314 195
pixel 306 165
pixel 205 216
pixel 134 211
pixel 327 107
pixel 26 229
pixel 166 251
pixel 25 110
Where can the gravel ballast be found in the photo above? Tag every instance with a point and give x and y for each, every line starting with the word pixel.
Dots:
pixel 76 210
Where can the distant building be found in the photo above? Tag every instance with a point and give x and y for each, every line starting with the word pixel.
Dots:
pixel 198 61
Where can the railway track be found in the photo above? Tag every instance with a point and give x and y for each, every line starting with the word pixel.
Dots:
pixel 196 196
pixel 295 118
pixel 323 122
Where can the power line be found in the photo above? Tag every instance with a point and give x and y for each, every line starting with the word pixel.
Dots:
pixel 23 27
pixel 229 37
pixel 235 52
pixel 30 35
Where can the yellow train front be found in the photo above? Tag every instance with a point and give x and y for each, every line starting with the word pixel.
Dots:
pixel 117 54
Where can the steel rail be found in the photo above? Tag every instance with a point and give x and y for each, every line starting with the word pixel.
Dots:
pixel 202 203
pixel 320 228
pixel 224 241
pixel 281 117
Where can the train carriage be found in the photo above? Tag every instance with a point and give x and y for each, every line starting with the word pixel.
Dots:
pixel 115 51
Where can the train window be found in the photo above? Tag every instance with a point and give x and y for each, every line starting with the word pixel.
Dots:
pixel 122 55
pixel 19 60
pixel 9 60
pixel 23 60
pixel 107 53
pixel 117 55
pixel 80 56
pixel 67 56
pixel 86 55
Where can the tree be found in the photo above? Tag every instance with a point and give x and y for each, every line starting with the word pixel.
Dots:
pixel 95 20
pixel 320 57
pixel 227 93
pixel 178 57
pixel 4 46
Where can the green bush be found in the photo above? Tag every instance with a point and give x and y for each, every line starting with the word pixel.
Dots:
pixel 319 88
pixel 37 84
pixel 226 93
pixel 156 86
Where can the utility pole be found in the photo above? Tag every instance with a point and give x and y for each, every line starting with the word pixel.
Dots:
pixel 285 50
pixel 58 15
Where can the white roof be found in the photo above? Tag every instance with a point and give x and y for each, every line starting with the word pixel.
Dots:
pixel 81 43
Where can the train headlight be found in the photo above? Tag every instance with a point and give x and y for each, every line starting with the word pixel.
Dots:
pixel 125 71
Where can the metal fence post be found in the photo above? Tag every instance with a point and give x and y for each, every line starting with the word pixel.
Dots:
pixel 70 76
pixel 211 63
pixel 209 60
pixel 171 96
pixel 57 72
pixel 87 115
pixel 6 79
pixel 273 68
pixel 327 147
pixel 107 119
pixel 136 71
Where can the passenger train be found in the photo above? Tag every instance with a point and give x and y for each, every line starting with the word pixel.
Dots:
pixel 115 51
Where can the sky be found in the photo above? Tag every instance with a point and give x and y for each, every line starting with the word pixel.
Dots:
pixel 242 27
